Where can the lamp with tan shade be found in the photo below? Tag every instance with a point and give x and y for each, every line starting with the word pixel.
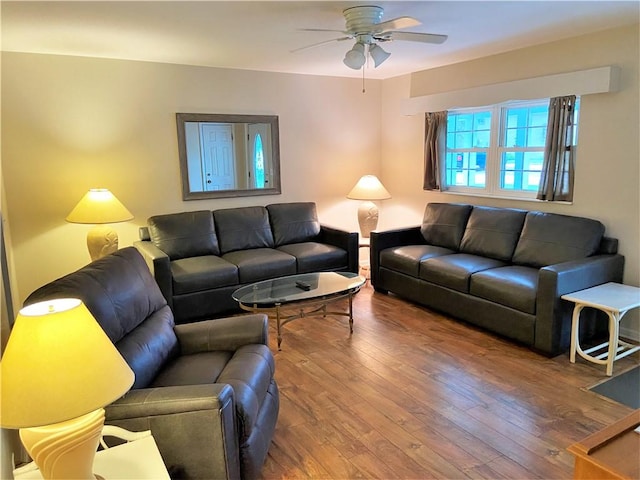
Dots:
pixel 368 188
pixel 59 370
pixel 99 206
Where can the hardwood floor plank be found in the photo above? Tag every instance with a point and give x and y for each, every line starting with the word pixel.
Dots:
pixel 413 394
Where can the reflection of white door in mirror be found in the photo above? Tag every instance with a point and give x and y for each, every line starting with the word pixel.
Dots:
pixel 218 165
pixel 259 154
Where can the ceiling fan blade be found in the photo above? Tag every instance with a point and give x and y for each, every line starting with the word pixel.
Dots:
pixel 313 45
pixel 414 37
pixel 395 24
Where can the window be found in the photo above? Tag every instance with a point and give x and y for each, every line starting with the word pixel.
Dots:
pixel 497 150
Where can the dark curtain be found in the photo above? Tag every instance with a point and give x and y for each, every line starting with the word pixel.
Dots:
pixel 435 141
pixel 556 181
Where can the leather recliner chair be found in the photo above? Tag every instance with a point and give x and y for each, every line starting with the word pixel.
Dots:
pixel 206 390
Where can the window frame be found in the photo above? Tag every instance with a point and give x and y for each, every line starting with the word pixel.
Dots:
pixel 493 186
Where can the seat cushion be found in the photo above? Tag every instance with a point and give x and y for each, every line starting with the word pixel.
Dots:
pixel 454 271
pixel 407 259
pixel 195 369
pixel 443 224
pixel 512 286
pixel 196 274
pixel 261 263
pixel 549 238
pixel 492 232
pixel 315 257
pixel 243 228
pixel 293 222
pixel 186 234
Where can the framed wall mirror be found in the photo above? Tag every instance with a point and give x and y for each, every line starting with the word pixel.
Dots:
pixel 228 155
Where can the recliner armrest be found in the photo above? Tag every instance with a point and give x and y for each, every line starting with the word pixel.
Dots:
pixel 193 426
pixel 159 265
pixel 223 333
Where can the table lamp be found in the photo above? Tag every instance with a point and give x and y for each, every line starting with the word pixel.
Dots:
pixel 368 188
pixel 58 370
pixel 99 206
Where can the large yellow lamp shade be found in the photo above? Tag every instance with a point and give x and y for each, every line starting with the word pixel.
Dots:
pixel 59 370
pixel 99 206
pixel 368 188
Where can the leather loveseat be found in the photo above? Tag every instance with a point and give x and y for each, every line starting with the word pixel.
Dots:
pixel 498 268
pixel 200 258
pixel 206 390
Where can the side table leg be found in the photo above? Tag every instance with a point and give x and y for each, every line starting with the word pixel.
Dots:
pixel 350 312
pixel 614 322
pixel 575 330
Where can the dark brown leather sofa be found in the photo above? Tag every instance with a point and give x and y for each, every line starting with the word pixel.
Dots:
pixel 200 258
pixel 206 390
pixel 500 269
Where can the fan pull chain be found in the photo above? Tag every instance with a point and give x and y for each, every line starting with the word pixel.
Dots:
pixel 363 90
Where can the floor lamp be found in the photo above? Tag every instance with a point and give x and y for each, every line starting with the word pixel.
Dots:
pixel 59 370
pixel 100 207
pixel 368 188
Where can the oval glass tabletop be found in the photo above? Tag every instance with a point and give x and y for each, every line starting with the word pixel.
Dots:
pixel 294 288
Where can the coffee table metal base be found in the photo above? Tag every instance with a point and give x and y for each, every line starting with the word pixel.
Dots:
pixel 307 308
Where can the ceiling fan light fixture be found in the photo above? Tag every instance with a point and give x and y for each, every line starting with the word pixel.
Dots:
pixel 355 57
pixel 378 54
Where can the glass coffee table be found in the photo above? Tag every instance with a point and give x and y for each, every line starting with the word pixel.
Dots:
pixel 308 293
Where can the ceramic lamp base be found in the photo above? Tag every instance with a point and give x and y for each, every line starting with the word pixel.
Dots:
pixel 65 450
pixel 367 218
pixel 101 240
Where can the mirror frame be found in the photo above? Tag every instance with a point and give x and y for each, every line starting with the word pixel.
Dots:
pixel 272 120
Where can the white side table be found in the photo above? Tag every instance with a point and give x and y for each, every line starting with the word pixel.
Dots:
pixel 137 459
pixel 615 300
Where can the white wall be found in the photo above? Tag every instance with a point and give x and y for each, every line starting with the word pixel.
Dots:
pixel 69 124
pixel 608 157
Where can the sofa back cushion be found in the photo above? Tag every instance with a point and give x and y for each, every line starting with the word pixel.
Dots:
pixel 184 235
pixel 243 228
pixel 444 223
pixel 493 232
pixel 125 299
pixel 549 238
pixel 293 222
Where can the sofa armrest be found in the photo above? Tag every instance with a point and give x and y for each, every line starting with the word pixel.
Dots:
pixel 160 266
pixel 223 333
pixel 193 426
pixel 381 240
pixel 341 238
pixel 553 315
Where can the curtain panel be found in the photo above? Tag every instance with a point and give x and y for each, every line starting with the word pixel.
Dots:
pixel 556 180
pixel 435 142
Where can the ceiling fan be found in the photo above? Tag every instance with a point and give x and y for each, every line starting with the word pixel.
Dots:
pixel 364 24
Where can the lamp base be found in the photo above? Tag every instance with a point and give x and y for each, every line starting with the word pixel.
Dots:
pixel 65 450
pixel 101 240
pixel 367 218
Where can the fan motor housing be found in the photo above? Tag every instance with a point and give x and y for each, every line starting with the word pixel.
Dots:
pixel 360 19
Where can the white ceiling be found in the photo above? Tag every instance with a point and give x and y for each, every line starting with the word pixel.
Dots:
pixel 260 35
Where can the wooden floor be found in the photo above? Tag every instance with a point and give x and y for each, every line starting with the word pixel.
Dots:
pixel 413 395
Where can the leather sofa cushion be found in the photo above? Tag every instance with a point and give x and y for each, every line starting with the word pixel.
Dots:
pixel 454 271
pixel 186 234
pixel 293 222
pixel 261 263
pixel 316 257
pixel 492 232
pixel 407 259
pixel 243 228
pixel 549 238
pixel 512 286
pixel 196 274
pixel 443 224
